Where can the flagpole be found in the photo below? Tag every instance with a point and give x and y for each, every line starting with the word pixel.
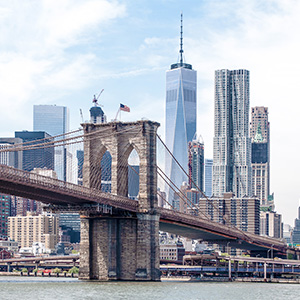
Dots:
pixel 117 114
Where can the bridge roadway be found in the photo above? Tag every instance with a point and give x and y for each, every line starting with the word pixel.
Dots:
pixel 67 195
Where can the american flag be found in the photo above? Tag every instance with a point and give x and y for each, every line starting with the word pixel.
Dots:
pixel 124 107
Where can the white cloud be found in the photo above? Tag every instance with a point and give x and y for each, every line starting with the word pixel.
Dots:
pixel 65 22
pixel 37 61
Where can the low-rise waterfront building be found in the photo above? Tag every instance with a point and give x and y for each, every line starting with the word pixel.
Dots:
pixel 172 252
pixel 29 229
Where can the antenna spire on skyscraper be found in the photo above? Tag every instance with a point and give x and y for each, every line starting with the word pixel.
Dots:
pixel 180 63
pixel 181 41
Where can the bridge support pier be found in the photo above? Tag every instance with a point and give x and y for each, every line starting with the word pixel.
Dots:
pixel 125 244
pixel 120 248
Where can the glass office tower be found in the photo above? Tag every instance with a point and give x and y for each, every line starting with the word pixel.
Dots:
pixel 54 120
pixel 181 104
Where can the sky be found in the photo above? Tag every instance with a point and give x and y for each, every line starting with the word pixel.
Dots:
pixel 64 52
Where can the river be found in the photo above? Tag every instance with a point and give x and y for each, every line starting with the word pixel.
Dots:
pixel 34 288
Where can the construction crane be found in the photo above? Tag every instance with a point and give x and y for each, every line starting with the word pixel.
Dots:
pixel 81 114
pixel 95 100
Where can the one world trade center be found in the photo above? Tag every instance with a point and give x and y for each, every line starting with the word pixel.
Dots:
pixel 181 119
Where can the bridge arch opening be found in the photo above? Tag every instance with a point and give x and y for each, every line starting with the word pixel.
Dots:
pixel 133 174
pixel 106 172
pixel 100 169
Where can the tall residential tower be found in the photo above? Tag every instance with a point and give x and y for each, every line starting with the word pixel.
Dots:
pixel 181 103
pixel 260 142
pixel 232 145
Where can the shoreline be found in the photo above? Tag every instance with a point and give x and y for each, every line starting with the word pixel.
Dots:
pixel 226 279
pixel 31 274
pixel 166 279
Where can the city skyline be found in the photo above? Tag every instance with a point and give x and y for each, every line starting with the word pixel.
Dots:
pixel 57 55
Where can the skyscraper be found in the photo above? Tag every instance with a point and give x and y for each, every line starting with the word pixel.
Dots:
pixel 232 147
pixel 260 144
pixel 54 120
pixel 51 118
pixel 196 164
pixel 37 158
pixel 181 88
pixel 208 166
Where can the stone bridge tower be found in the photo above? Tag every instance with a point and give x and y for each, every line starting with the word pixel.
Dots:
pixel 121 245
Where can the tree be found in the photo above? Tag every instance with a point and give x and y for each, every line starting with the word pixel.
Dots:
pixel 74 270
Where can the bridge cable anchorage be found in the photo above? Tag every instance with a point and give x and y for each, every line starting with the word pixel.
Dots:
pixel 216 208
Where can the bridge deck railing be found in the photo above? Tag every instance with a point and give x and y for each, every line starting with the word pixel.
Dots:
pixel 89 194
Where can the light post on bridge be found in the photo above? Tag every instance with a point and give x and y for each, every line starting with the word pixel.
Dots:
pixel 227 247
pixel 271 249
pixel 272 254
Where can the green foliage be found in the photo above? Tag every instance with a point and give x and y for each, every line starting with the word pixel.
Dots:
pixel 24 270
pixel 74 270
pixel 56 271
pixel 290 256
pixel 74 252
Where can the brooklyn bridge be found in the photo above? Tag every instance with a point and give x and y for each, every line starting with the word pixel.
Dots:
pixel 119 235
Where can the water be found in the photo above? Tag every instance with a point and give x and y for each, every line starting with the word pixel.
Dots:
pixel 64 288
